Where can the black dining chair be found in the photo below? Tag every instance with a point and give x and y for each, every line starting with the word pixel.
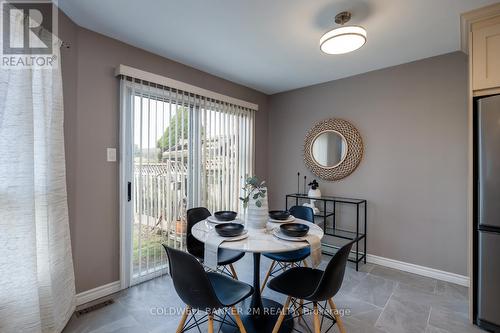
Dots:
pixel 205 291
pixel 281 261
pixel 225 257
pixel 313 286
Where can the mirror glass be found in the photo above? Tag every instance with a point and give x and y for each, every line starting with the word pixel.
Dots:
pixel 329 149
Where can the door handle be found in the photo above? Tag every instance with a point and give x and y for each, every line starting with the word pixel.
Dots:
pixel 129 191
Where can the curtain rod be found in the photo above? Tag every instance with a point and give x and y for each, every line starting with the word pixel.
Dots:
pixel 165 81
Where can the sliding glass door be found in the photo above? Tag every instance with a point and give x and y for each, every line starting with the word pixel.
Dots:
pixel 181 151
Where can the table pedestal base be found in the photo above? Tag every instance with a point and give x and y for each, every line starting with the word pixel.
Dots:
pixel 264 323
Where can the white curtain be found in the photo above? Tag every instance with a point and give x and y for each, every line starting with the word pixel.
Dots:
pixel 37 292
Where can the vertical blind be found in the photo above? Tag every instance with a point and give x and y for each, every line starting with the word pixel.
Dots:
pixel 188 150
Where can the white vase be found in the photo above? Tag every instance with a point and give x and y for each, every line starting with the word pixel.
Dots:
pixel 314 193
pixel 257 217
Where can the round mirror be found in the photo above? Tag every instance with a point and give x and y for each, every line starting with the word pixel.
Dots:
pixel 329 149
pixel 333 149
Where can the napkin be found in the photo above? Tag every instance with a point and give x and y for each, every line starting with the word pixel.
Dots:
pixel 211 249
pixel 315 244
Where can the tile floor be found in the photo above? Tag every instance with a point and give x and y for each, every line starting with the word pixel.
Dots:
pixel 379 300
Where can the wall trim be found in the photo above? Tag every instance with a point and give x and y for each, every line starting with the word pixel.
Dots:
pixel 420 270
pixel 96 293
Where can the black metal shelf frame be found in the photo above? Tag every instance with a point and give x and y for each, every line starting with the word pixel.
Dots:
pixel 358 236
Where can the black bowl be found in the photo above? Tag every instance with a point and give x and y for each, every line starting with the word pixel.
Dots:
pixel 225 215
pixel 294 229
pixel 229 229
pixel 279 214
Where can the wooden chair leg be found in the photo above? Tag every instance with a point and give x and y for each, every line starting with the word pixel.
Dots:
pixel 233 271
pixel 301 309
pixel 210 323
pixel 305 263
pixel 337 316
pixel 185 314
pixel 237 318
pixel 267 277
pixel 316 318
pixel 282 315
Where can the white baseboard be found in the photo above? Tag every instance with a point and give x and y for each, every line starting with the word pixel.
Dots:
pixel 420 270
pixel 96 293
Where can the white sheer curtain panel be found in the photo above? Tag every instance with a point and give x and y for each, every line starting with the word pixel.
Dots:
pixel 37 290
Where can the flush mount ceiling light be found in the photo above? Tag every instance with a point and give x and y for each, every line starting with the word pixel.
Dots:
pixel 344 39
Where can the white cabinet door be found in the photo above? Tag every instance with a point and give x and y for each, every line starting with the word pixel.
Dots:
pixel 486 54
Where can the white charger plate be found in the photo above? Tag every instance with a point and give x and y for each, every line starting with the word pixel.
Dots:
pixel 278 234
pixel 212 219
pixel 291 218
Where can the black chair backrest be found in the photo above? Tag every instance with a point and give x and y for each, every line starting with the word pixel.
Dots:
pixel 193 216
pixel 190 280
pixel 332 278
pixel 303 213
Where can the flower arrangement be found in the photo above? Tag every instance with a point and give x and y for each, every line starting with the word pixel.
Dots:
pixel 314 184
pixel 255 189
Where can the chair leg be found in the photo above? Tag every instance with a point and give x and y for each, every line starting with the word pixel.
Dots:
pixel 338 319
pixel 301 309
pixel 210 323
pixel 305 263
pixel 237 318
pixel 183 319
pixel 267 277
pixel 233 271
pixel 316 318
pixel 282 315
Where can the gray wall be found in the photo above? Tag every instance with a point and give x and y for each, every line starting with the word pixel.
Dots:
pixel 412 118
pixel 413 122
pixel 91 94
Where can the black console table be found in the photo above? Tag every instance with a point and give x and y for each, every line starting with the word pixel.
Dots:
pixel 327 211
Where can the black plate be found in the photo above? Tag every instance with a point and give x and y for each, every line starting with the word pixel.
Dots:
pixel 294 229
pixel 225 215
pixel 279 214
pixel 229 229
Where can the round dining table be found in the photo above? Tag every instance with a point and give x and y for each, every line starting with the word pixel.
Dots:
pixel 260 314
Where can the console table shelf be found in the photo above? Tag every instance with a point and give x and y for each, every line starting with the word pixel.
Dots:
pixel 328 209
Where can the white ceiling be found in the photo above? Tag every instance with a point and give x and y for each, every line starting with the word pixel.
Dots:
pixel 272 45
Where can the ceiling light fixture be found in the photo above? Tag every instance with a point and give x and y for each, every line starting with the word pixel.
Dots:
pixel 344 39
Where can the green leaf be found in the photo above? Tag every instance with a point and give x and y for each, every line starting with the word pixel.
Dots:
pixel 255 196
pixel 258 203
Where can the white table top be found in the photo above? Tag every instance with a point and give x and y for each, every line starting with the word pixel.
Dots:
pixel 258 240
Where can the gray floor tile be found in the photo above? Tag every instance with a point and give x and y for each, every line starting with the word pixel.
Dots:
pixel 407 279
pixel 452 321
pixel 373 289
pixel 432 329
pixel 452 291
pixel 377 300
pixel 354 306
pixel 432 299
pixel 403 316
pixel 369 317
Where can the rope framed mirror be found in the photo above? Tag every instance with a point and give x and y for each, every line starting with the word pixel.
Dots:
pixel 333 149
